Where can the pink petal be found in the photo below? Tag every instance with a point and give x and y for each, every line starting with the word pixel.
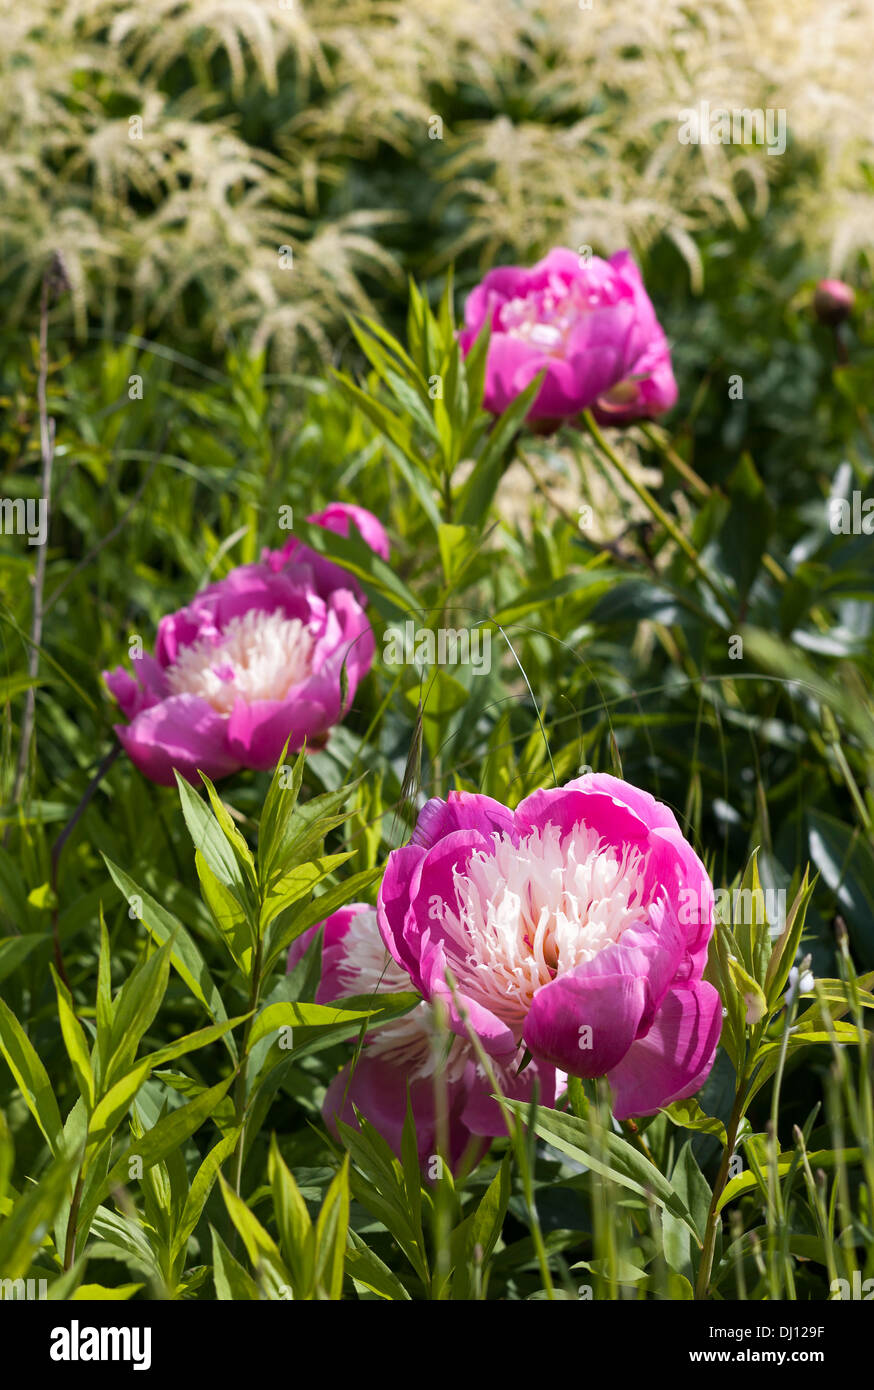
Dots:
pixel 378 1088
pixel 610 1005
pixel 674 1059
pixel 182 732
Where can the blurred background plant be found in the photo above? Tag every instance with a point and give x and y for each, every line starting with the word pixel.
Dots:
pixel 170 148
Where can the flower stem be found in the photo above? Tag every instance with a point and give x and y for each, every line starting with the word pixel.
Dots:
pixel 713 1217
pixel 656 509
pixel 240 1087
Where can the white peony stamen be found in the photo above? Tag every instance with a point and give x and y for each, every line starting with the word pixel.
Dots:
pixel 546 318
pixel 530 912
pixel 260 656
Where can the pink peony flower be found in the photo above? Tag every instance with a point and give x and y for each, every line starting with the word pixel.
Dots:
pixel 576 925
pixel 409 1050
pixel 589 323
pixel 339 517
pixel 252 661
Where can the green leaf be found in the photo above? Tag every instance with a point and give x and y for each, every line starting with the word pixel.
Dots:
pixel 845 859
pixel 105 1005
pixel 14 950
pixel 331 1230
pixel 539 598
pixel 96 1293
pixel 232 1283
pixel 606 1154
pixel 369 1271
pixel 74 1041
pixel 198 1193
pixel 748 526
pixel 687 1114
pixel 822 1158
pixel 187 959
pixel 7 1157
pixel 136 1006
pixel 304 832
pixel 381 1190
pixel 478 492
pixel 694 1191
pixel 456 544
pixel 13 891
pixel 113 1105
pixel 298 883
pixel 411 1172
pixel 117 1099
pixel 231 833
pixel 230 918
pixel 297 1239
pixel 786 946
pixel 169 1133
pixel 396 359
pixel 755 1004
pixel 212 843
pixel 10 686
pixel 32 1213
pixel 803 1035
pixel 279 804
pixel 192 1042
pixel 287 929
pixel 260 1247
pixel 276 1017
pixel 485 1228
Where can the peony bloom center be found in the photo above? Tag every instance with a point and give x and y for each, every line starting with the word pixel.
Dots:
pixel 258 656
pixel 546 318
pixel 528 912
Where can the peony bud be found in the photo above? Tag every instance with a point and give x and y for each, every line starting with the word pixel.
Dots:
pixel 833 302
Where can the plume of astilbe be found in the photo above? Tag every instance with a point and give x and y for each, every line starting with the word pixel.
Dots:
pixel 853 216
pixel 618 175
pixel 560 125
pixel 225 234
pixel 151 164
pixel 91 258
pixel 596 159
pixel 387 59
pixel 220 210
pixel 324 284
pixel 208 230
pixel 259 32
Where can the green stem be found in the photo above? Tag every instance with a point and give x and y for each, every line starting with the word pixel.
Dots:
pixel 776 1212
pixel 656 509
pixel 517 1139
pixel 679 465
pixel 240 1087
pixel 713 1218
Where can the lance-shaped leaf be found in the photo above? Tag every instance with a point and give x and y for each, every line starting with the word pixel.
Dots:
pixel 607 1154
